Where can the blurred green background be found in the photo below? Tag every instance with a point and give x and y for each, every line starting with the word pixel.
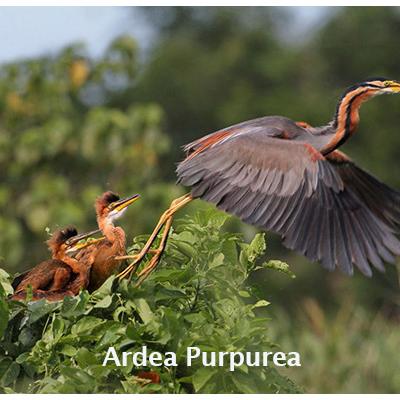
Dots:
pixel 73 125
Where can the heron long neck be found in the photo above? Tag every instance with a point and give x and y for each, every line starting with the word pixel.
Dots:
pixel 347 118
pixel 114 234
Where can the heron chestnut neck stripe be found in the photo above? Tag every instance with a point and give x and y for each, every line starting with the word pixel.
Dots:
pixel 346 117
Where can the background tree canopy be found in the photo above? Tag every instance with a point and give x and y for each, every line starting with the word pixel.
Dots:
pixel 72 126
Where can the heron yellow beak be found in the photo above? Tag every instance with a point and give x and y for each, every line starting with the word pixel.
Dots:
pixel 121 204
pixel 394 86
pixel 78 246
pixel 75 239
pixel 73 244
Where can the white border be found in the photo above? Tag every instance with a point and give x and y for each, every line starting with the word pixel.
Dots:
pixel 203 396
pixel 119 3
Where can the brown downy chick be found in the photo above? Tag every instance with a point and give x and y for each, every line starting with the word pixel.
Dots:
pixel 55 275
pixel 108 207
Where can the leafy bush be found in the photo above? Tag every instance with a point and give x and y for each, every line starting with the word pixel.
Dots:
pixel 198 296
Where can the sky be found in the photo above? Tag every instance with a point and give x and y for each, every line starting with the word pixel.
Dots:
pixel 33 31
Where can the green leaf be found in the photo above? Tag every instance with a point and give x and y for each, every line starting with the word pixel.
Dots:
pixel 39 309
pixel 201 377
pixel 68 350
pixel 279 266
pixel 195 318
pixel 28 336
pixel 257 247
pixel 245 383
pixel 167 275
pixel 4 311
pixel 133 333
pixel 79 377
pixel 261 303
pixel 5 283
pixel 86 325
pixel 106 288
pixel 104 303
pixel 57 327
pixel 9 371
pixel 22 358
pixel 85 358
pixel 229 249
pixel 144 310
pixel 185 248
pixel 217 260
pixel 75 306
pixel 112 332
pixel 216 218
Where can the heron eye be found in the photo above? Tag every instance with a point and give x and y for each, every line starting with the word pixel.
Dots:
pixel 387 83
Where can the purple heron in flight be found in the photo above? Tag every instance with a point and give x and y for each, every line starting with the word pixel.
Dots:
pixel 290 178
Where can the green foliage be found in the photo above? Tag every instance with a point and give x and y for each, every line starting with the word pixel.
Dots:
pixel 198 296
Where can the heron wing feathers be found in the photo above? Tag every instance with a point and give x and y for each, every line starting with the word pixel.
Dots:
pixel 325 208
pixel 383 200
pixel 264 163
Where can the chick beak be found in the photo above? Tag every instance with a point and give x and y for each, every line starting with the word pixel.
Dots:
pixel 121 204
pixel 78 238
pixel 73 244
pixel 78 246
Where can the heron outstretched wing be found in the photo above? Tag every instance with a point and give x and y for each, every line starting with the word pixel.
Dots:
pixel 326 208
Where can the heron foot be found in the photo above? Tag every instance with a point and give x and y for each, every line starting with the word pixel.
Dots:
pixel 133 256
pixel 164 221
pixel 150 267
pixel 136 259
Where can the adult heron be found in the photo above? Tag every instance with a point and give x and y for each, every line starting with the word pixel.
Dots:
pixel 288 177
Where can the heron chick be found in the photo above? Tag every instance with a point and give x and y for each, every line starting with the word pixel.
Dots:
pixel 102 256
pixel 58 277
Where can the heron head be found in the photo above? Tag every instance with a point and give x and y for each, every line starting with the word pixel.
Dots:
pixel 110 206
pixel 391 86
pixel 59 239
pixel 382 85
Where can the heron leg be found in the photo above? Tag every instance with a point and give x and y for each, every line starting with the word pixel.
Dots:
pixel 129 257
pixel 165 219
pixel 151 266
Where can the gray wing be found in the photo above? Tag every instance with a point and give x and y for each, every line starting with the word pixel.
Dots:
pixel 289 188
